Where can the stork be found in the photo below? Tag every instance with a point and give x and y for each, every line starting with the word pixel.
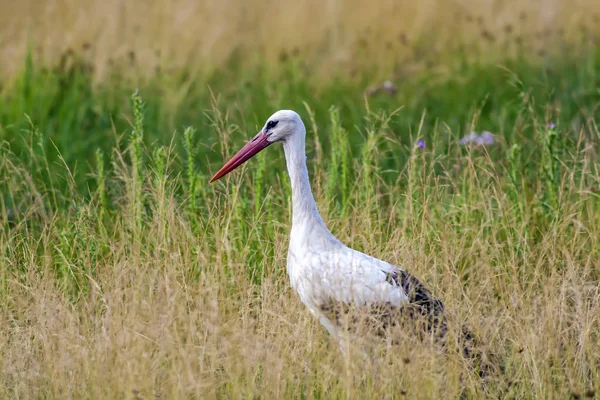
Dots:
pixel 332 279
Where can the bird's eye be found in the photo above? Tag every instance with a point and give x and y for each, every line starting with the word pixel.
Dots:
pixel 271 124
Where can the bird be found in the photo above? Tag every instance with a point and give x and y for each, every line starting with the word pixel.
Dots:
pixel 346 290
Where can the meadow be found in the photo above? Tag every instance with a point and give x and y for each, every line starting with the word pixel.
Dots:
pixel 125 274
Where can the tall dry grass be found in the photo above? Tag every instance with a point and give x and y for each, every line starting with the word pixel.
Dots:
pixel 140 294
pixel 152 284
pixel 145 36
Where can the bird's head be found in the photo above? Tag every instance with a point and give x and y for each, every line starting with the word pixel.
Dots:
pixel 282 126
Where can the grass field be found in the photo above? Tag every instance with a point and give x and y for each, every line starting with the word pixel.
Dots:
pixel 124 274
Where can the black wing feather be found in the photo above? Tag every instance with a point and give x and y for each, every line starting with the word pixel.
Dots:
pixel 421 302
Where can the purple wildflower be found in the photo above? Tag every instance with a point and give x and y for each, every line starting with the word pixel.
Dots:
pixel 552 125
pixel 486 138
pixel 470 138
pixel 421 144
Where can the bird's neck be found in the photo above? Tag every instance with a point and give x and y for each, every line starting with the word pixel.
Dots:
pixel 304 208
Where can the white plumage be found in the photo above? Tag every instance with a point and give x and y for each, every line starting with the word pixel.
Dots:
pixel 325 273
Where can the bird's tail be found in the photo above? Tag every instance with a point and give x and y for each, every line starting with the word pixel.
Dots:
pixel 483 361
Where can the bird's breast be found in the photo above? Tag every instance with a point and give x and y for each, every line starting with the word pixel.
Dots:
pixel 308 275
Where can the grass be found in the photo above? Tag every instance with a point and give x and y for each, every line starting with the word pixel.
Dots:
pixel 124 274
pixel 140 38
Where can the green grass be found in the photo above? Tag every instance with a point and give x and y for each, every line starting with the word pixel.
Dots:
pixel 63 105
pixel 125 274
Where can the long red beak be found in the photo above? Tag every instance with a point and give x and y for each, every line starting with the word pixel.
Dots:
pixel 258 143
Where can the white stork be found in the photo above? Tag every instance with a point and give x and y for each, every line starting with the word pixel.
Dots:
pixel 331 278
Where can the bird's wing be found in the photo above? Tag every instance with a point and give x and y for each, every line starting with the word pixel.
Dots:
pixel 386 293
pixel 418 295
